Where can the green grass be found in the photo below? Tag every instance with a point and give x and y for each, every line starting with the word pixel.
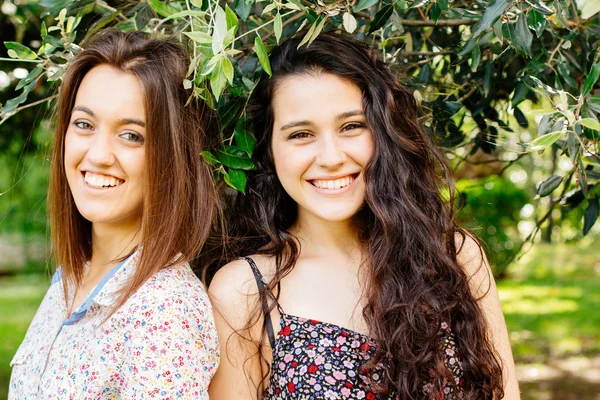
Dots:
pixel 552 302
pixel 20 297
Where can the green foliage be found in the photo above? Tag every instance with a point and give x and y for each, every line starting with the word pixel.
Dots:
pixel 490 209
pixel 471 65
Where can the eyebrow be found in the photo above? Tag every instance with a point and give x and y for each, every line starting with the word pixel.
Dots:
pixel 338 117
pixel 123 121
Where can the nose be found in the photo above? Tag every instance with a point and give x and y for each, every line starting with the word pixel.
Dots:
pixel 331 152
pixel 100 152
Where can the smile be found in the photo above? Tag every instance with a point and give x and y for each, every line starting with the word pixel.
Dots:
pixel 99 181
pixel 333 184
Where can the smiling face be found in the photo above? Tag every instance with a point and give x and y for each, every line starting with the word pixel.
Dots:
pixel 321 144
pixel 104 148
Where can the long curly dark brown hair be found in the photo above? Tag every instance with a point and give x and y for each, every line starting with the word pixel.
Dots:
pixel 407 227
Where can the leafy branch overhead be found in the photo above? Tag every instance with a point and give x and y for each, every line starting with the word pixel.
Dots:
pixel 472 64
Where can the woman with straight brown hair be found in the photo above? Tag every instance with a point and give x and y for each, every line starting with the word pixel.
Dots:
pixel 130 205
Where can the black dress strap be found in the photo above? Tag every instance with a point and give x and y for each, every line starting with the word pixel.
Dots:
pixel 262 288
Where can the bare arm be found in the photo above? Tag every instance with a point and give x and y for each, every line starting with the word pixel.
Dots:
pixel 483 287
pixel 233 294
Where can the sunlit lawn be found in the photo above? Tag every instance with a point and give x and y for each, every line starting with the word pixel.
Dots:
pixel 551 304
pixel 19 298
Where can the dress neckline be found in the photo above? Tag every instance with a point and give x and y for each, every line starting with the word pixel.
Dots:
pixel 337 327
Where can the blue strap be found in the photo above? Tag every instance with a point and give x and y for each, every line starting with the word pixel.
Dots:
pixel 80 313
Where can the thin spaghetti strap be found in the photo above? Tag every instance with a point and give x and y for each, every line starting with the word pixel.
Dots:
pixel 263 287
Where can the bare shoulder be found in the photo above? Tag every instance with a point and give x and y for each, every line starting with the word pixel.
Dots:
pixel 235 281
pixel 471 256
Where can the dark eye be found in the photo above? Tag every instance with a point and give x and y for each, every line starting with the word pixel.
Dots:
pixel 133 137
pixel 83 125
pixel 300 135
pixel 353 125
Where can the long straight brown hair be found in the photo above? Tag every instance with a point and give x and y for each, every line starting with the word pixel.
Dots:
pixel 179 195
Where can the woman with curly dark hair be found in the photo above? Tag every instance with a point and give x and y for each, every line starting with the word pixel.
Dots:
pixel 356 282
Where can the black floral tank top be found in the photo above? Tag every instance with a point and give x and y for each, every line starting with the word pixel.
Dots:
pixel 319 360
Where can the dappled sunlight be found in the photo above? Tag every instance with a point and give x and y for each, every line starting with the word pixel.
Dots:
pixel 535 306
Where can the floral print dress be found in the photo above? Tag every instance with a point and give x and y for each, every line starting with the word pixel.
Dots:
pixel 160 344
pixel 319 360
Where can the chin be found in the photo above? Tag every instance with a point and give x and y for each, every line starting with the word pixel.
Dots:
pixel 337 215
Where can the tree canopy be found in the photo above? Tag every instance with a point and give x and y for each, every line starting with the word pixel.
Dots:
pixel 473 65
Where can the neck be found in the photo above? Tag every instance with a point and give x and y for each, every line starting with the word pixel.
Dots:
pixel 111 243
pixel 326 237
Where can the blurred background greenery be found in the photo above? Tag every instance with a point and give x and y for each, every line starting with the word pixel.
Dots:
pixel 550 290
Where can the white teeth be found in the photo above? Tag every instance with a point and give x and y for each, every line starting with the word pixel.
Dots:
pixel 100 181
pixel 333 184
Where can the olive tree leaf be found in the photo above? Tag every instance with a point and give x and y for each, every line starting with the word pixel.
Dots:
pixel 364 4
pixel 199 37
pixel 33 74
pixel 232 19
pixel 590 216
pixel 536 22
pixel 17 50
pixel 236 178
pixel 220 30
pixel 227 68
pixel 317 30
pixel 435 11
pixel 540 6
pixel 263 57
pixel 382 16
pixel 420 3
pixel 54 41
pixel 543 142
pixel 544 125
pixel 524 36
pixel 520 117
pixel 491 15
pixel 397 22
pixel 14 103
pixel 278 26
pixel 162 8
pixel 308 35
pixel 573 145
pixel 548 186
pixel 475 58
pixel 565 73
pixel 313 31
pixel 559 14
pixel 590 8
pixel 349 22
pixel 218 80
pixel 590 123
pixel 545 89
pixel 242 9
pixel 104 21
pixel 591 79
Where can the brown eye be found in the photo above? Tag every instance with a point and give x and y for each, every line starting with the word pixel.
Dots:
pixel 133 137
pixel 299 135
pixel 83 125
pixel 353 125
